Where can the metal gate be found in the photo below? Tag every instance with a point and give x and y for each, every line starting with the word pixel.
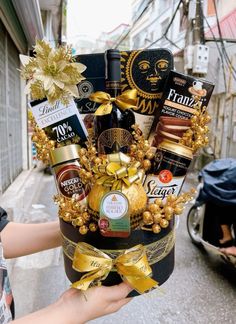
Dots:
pixel 10 111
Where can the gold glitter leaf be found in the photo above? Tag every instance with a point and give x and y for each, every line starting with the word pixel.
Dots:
pixel 52 73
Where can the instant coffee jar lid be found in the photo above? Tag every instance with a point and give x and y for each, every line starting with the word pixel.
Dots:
pixel 177 148
pixel 64 154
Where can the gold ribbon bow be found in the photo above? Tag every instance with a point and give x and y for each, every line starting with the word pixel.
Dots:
pixel 117 171
pixel 127 100
pixel 132 266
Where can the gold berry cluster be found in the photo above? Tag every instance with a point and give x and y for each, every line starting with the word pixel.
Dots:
pixel 196 136
pixel 71 210
pixel 158 214
pixel 88 158
pixel 42 143
pixel 140 149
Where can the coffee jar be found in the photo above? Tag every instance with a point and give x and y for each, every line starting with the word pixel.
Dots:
pixel 66 167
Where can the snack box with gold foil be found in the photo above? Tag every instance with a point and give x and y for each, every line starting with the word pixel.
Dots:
pixel 143 70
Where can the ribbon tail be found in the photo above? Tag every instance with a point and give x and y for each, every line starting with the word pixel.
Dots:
pixel 93 277
pixel 103 109
pixel 141 285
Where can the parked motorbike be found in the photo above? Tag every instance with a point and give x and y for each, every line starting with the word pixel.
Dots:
pixel 216 196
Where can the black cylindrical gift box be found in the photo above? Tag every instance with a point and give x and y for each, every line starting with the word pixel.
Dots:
pixel 159 249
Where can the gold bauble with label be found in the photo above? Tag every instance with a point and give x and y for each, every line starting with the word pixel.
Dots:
pixel 135 194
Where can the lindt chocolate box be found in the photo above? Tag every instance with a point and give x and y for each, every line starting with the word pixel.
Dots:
pixel 177 106
pixel 143 70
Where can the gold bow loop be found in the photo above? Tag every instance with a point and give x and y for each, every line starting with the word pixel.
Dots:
pixel 132 265
pixel 127 100
pixel 118 169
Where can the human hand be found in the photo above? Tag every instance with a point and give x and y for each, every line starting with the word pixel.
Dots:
pixel 79 307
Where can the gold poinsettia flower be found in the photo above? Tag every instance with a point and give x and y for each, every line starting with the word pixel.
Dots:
pixel 51 73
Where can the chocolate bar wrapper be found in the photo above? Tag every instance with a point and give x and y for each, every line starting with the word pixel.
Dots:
pixel 177 104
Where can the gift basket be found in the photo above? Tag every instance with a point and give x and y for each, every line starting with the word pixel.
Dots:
pixel 118 184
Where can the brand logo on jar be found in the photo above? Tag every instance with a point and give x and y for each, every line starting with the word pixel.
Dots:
pixel 69 183
pixel 165 176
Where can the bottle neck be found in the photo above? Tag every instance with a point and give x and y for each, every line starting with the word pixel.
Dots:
pixel 113 88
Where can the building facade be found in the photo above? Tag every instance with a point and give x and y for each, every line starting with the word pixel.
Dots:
pixel 20 24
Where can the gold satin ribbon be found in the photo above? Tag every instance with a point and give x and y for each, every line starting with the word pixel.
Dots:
pixel 132 265
pixel 127 100
pixel 116 172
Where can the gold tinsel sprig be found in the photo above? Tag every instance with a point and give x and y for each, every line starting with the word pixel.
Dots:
pixel 140 149
pixel 51 73
pixel 196 136
pixel 42 143
pixel 158 214
pixel 72 211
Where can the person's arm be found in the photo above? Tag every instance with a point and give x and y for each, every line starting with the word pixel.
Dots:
pixel 75 307
pixel 23 239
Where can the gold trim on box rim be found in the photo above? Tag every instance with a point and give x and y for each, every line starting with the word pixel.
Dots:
pixel 155 251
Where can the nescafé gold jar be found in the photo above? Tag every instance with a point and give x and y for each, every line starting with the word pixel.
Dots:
pixel 66 167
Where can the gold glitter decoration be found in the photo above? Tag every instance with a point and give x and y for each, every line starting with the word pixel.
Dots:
pixel 158 214
pixel 52 73
pixel 72 211
pixel 196 136
pixel 140 149
pixel 42 143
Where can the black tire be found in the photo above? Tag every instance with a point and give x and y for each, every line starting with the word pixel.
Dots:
pixel 193 225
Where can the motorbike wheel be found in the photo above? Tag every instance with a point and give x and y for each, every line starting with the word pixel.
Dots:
pixel 193 225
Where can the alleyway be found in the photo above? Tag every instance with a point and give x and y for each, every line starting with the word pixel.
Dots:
pixel 201 290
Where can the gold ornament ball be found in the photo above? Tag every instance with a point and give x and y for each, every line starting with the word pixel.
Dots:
pixel 133 147
pixel 153 208
pixel 149 155
pixel 147 218
pixel 157 217
pixel 158 201
pixel 83 230
pixel 34 138
pixel 93 227
pixel 89 175
pixel 156 228
pixel 93 150
pixel 164 223
pixel 168 217
pixel 82 151
pixel 140 154
pixel 169 210
pixel 97 160
pixel 146 164
pixel 79 221
pixel 83 159
pixel 86 216
pixel 178 210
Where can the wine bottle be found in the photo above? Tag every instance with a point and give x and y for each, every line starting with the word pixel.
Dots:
pixel 113 130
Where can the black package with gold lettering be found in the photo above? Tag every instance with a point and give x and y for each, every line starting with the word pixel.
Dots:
pixel 143 70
